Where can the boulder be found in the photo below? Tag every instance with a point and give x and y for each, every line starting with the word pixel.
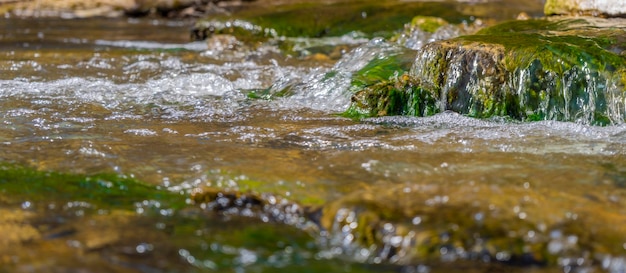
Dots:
pixel 604 8
pixel 544 69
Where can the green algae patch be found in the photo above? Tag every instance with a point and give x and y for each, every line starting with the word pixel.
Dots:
pixel 106 191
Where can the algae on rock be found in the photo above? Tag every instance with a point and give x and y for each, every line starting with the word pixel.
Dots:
pixel 547 69
pixel 336 19
pixel 610 8
pixel 429 222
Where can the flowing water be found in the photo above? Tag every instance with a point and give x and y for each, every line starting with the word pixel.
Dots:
pixel 136 98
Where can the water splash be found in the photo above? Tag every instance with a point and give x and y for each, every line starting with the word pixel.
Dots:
pixel 331 90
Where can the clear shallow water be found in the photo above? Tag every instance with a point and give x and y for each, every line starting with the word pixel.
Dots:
pixel 172 113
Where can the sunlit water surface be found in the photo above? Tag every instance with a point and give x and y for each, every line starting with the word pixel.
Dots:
pixel 81 99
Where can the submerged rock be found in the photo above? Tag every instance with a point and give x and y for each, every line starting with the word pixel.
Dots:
pixel 421 223
pixel 15 230
pixel 425 222
pixel 545 69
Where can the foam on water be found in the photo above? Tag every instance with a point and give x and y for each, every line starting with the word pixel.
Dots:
pixel 534 138
pixel 195 46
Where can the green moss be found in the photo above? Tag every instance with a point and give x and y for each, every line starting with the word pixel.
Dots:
pixel 268 93
pixel 382 69
pixel 374 88
pixel 398 96
pixel 527 70
pixel 373 18
pixel 428 23
pixel 106 191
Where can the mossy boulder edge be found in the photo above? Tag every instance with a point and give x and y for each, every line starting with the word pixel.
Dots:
pixel 543 69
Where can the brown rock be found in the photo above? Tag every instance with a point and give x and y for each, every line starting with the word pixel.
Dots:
pixel 603 8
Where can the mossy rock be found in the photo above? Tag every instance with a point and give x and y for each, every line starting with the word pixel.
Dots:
pixel 607 8
pixel 105 191
pixel 548 69
pixel 372 18
pixel 400 96
pixel 420 223
pixel 431 222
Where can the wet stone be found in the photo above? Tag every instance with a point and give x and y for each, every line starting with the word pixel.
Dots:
pixel 15 228
pixel 407 224
pixel 605 8
pixel 543 69
pixel 430 223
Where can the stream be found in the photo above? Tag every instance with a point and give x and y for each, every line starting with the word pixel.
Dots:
pixel 136 99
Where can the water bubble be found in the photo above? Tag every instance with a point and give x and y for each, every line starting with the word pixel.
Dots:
pixel 478 217
pixel 503 256
pixel 209 264
pixel 443 250
pixel 246 257
pixel 516 209
pixel 388 227
pixel 396 241
pixel 345 229
pixel 141 132
pixel 144 247
pixel 73 243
